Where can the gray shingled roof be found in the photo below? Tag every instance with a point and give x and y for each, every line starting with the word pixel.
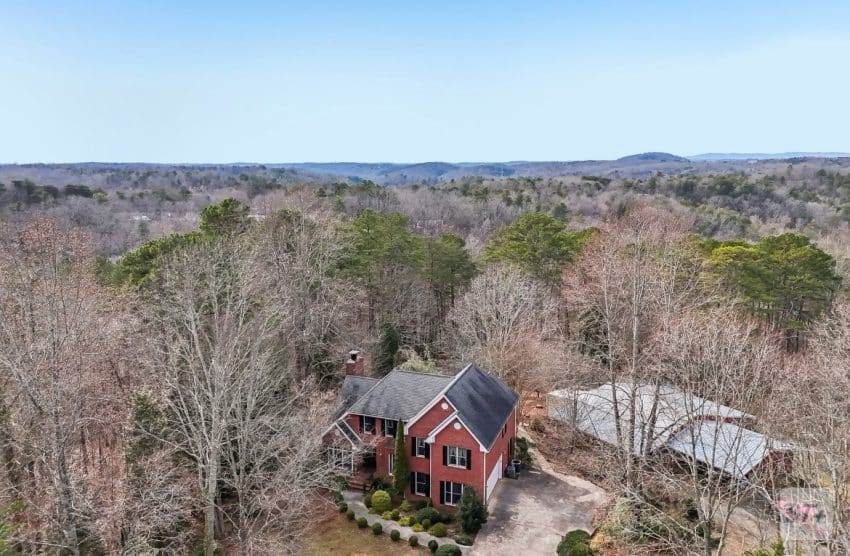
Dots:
pixel 353 388
pixel 400 395
pixel 483 403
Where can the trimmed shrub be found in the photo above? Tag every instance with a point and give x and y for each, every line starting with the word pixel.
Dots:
pixel 438 530
pixel 395 535
pixel 395 515
pixel 413 520
pixel 448 550
pixel 417 528
pixel 432 546
pixel 575 543
pixel 350 515
pixel 377 528
pixel 373 510
pixel 464 539
pixel 367 499
pixel 343 507
pixel 413 540
pixel 428 513
pixel 426 523
pixel 404 522
pixel 404 506
pixel 362 523
pixel 387 515
pixel 381 501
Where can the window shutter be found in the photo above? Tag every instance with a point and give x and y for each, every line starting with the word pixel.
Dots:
pixel 445 455
pixel 427 451
pixel 469 459
pixel 442 492
pixel 428 486
pixel 413 446
pixel 362 423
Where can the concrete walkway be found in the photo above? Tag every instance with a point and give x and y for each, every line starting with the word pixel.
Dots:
pixel 355 502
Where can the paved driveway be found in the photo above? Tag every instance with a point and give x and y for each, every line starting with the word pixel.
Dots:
pixel 529 515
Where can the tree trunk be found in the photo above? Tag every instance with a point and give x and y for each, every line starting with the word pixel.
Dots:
pixel 210 506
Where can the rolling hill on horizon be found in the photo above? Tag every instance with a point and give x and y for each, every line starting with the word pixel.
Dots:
pixel 639 165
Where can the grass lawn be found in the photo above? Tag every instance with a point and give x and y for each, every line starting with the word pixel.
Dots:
pixel 336 536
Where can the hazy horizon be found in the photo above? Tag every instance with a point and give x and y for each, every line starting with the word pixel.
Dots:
pixel 211 82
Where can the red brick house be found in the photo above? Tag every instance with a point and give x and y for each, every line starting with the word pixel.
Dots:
pixel 459 430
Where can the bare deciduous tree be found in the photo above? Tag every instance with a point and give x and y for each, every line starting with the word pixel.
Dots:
pixel 507 322
pixel 236 406
pixel 815 412
pixel 61 355
pixel 629 283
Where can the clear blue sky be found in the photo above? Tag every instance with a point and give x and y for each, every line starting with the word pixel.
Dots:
pixel 278 81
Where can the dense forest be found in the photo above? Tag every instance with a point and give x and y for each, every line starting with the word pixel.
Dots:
pixel 171 338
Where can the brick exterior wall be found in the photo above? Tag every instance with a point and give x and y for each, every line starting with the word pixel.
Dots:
pixel 478 471
pixel 501 446
pixel 474 476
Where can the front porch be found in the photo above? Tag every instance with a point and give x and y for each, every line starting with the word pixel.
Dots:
pixel 363 471
pixel 358 465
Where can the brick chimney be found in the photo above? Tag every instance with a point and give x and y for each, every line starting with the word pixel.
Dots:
pixel 355 364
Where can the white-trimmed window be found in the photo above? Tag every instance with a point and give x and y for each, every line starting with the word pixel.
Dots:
pixel 339 456
pixel 421 482
pixel 456 456
pixel 367 424
pixel 452 493
pixel 390 463
pixel 421 448
pixel 389 427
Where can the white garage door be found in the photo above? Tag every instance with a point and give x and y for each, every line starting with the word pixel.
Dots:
pixel 494 477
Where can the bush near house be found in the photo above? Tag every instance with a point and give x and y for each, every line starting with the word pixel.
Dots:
pixel 417 528
pixel 426 523
pixel 381 501
pixel 432 546
pixel 413 540
pixel 448 550
pixel 438 530
pixel 377 528
pixel 404 522
pixel 362 523
pixel 350 515
pixel 395 515
pixel 428 513
pixel 387 515
pixel 395 535
pixel 464 539
pixel 367 499
pixel 471 511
